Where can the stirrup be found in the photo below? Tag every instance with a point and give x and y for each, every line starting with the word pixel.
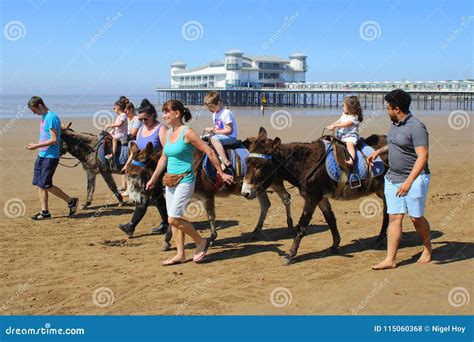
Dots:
pixel 354 181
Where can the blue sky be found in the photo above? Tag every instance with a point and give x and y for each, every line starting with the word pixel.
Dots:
pixel 48 47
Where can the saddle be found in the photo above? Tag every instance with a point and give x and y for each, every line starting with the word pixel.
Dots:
pixel 344 174
pixel 237 155
pixel 104 147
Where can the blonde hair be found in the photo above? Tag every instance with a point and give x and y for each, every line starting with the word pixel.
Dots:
pixel 212 98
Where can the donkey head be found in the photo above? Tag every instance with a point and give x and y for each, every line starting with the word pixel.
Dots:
pixel 139 172
pixel 260 166
pixel 64 146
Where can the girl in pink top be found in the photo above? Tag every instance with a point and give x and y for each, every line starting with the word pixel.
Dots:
pixel 120 126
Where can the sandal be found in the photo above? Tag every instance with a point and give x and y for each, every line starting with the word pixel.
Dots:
pixel 201 255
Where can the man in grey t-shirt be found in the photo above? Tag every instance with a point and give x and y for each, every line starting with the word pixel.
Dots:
pixel 408 177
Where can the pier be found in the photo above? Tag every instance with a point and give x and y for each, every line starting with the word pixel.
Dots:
pixel 309 98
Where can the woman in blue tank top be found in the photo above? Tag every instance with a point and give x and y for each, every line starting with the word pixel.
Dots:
pixel 154 132
pixel 178 159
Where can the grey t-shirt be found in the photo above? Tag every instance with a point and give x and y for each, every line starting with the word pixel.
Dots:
pixel 402 139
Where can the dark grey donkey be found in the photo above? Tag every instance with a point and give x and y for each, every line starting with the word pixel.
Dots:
pixel 83 146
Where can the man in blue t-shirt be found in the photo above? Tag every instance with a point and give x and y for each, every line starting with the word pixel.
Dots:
pixel 48 158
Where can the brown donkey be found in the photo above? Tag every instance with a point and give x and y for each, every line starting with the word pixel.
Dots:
pixel 144 162
pixel 271 161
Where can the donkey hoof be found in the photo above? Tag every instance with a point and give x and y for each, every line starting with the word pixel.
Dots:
pixel 213 237
pixel 166 246
pixel 84 206
pixel 334 249
pixel 120 204
pixel 287 260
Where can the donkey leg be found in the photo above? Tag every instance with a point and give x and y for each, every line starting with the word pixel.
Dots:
pixel 112 186
pixel 90 188
pixel 286 200
pixel 209 204
pixel 265 204
pixel 305 219
pixel 328 214
pixel 383 230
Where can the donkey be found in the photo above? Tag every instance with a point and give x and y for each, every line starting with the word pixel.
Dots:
pixel 271 161
pixel 83 146
pixel 143 163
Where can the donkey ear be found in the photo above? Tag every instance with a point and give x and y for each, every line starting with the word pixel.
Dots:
pixel 148 149
pixel 133 148
pixel 247 142
pixel 276 143
pixel 66 127
pixel 262 133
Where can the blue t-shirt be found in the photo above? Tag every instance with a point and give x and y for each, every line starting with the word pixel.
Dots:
pixel 50 121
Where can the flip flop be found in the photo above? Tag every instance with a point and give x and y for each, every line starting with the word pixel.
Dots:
pixel 201 255
pixel 171 262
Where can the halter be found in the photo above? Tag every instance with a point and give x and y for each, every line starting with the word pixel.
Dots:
pixel 260 156
pixel 138 163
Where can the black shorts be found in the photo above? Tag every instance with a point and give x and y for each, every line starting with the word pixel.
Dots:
pixel 44 171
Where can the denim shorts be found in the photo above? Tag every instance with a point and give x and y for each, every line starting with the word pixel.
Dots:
pixel 413 203
pixel 177 199
pixel 44 171
pixel 224 139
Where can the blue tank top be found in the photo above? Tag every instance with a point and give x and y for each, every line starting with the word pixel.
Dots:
pixel 180 157
pixel 154 138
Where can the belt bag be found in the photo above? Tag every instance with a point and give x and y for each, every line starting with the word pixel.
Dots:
pixel 172 180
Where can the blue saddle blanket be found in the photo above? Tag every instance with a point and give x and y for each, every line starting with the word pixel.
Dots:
pixel 122 157
pixel 360 166
pixel 240 152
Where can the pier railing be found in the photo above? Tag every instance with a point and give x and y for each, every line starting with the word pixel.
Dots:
pixel 310 98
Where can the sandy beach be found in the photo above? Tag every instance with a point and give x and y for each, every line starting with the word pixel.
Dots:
pixel 86 265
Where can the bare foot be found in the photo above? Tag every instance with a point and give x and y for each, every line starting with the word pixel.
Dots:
pixel 174 261
pixel 384 265
pixel 425 257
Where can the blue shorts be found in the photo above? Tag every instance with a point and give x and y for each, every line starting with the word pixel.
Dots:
pixel 412 203
pixel 224 139
pixel 44 171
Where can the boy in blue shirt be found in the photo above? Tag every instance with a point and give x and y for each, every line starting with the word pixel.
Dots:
pixel 48 158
